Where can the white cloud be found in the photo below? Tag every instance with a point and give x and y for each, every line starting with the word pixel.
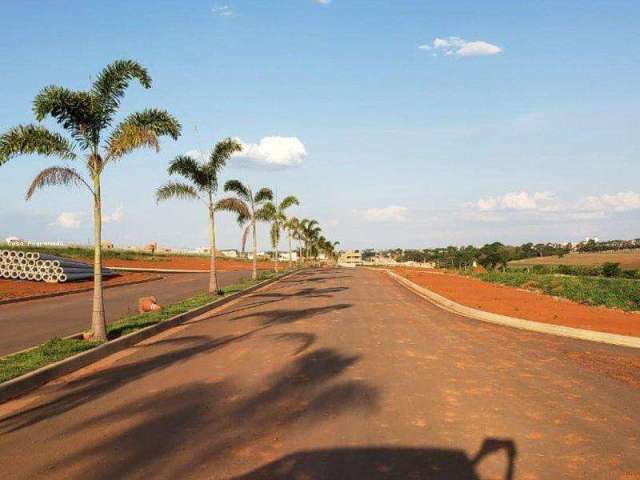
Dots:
pixel 518 201
pixel 617 202
pixel 274 152
pixel 68 220
pixel 116 216
pixel 462 48
pixel 223 11
pixel 323 2
pixel 392 213
pixel 196 155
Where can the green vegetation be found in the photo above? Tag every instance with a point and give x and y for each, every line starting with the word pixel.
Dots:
pixel 608 269
pixel 58 349
pixel 87 116
pixel 620 293
pixel 200 182
pixel 54 350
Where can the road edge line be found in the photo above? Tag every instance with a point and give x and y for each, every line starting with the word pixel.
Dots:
pixel 23 384
pixel 519 323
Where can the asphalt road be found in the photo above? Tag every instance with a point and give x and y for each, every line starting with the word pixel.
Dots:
pixel 25 324
pixel 335 374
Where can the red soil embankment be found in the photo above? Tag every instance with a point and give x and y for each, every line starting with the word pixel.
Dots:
pixel 187 263
pixel 19 289
pixel 524 304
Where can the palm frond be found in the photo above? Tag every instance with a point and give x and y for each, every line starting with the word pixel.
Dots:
pixel 189 168
pixel 77 112
pixel 245 234
pixel 237 187
pixel 176 190
pixel 237 206
pixel 56 176
pixel 112 82
pixel 263 195
pixel 222 151
pixel 288 202
pixel 127 137
pixel 159 122
pixel 265 213
pixel 27 139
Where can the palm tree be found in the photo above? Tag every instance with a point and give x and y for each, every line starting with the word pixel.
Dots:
pixel 86 115
pixel 202 185
pixel 292 226
pixel 277 216
pixel 250 209
pixel 310 231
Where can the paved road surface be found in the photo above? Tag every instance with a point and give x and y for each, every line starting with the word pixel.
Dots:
pixel 335 375
pixel 25 324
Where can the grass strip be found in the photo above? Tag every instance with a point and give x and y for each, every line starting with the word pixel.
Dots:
pixel 57 349
pixel 598 291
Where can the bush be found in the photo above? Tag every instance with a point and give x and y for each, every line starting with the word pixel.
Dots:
pixel 610 269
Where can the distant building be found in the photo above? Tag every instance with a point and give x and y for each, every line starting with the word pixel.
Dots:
pixel 228 253
pixel 350 258
pixel 284 256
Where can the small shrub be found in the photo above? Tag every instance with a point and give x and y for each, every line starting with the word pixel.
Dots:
pixel 611 269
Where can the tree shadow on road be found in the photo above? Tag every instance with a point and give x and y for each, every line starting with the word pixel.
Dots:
pixel 382 463
pixel 199 426
pixel 95 385
pixel 286 315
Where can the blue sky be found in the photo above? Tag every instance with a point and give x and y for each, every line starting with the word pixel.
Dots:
pixel 396 123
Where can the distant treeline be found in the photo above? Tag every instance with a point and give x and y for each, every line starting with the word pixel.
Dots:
pixel 491 255
pixel 593 246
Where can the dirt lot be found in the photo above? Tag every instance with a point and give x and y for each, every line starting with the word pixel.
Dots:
pixel 626 259
pixel 13 289
pixel 186 263
pixel 524 304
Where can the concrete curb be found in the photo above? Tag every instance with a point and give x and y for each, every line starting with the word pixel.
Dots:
pixel 504 320
pixel 20 385
pixel 71 292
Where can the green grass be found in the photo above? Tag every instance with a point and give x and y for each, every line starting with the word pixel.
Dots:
pixel 54 350
pixel 609 292
pixel 58 349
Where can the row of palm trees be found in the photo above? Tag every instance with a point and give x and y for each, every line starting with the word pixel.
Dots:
pixel 88 118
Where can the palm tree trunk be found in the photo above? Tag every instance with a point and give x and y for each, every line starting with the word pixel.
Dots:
pixel 275 247
pixel 254 273
pixel 213 276
pixel 290 259
pixel 98 325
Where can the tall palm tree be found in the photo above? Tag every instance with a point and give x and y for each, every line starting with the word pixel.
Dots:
pixel 87 116
pixel 202 184
pixel 310 231
pixel 277 216
pixel 292 226
pixel 250 208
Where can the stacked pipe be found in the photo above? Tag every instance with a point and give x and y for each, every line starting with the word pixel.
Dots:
pixel 39 267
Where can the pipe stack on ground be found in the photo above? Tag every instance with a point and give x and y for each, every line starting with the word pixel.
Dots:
pixel 40 267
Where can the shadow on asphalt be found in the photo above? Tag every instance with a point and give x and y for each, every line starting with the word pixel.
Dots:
pixel 285 315
pixel 176 432
pixel 95 385
pixel 384 464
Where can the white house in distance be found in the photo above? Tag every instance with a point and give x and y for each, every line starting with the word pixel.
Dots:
pixel 231 253
pixel 350 258
pixel 284 256
pixel 14 241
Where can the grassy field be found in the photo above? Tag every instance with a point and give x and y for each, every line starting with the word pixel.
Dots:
pixel 609 292
pixel 626 258
pixel 58 349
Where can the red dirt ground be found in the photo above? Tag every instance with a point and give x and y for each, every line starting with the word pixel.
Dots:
pixel 187 263
pixel 14 289
pixel 524 304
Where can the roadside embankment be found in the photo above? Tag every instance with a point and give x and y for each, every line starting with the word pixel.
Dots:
pixel 525 304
